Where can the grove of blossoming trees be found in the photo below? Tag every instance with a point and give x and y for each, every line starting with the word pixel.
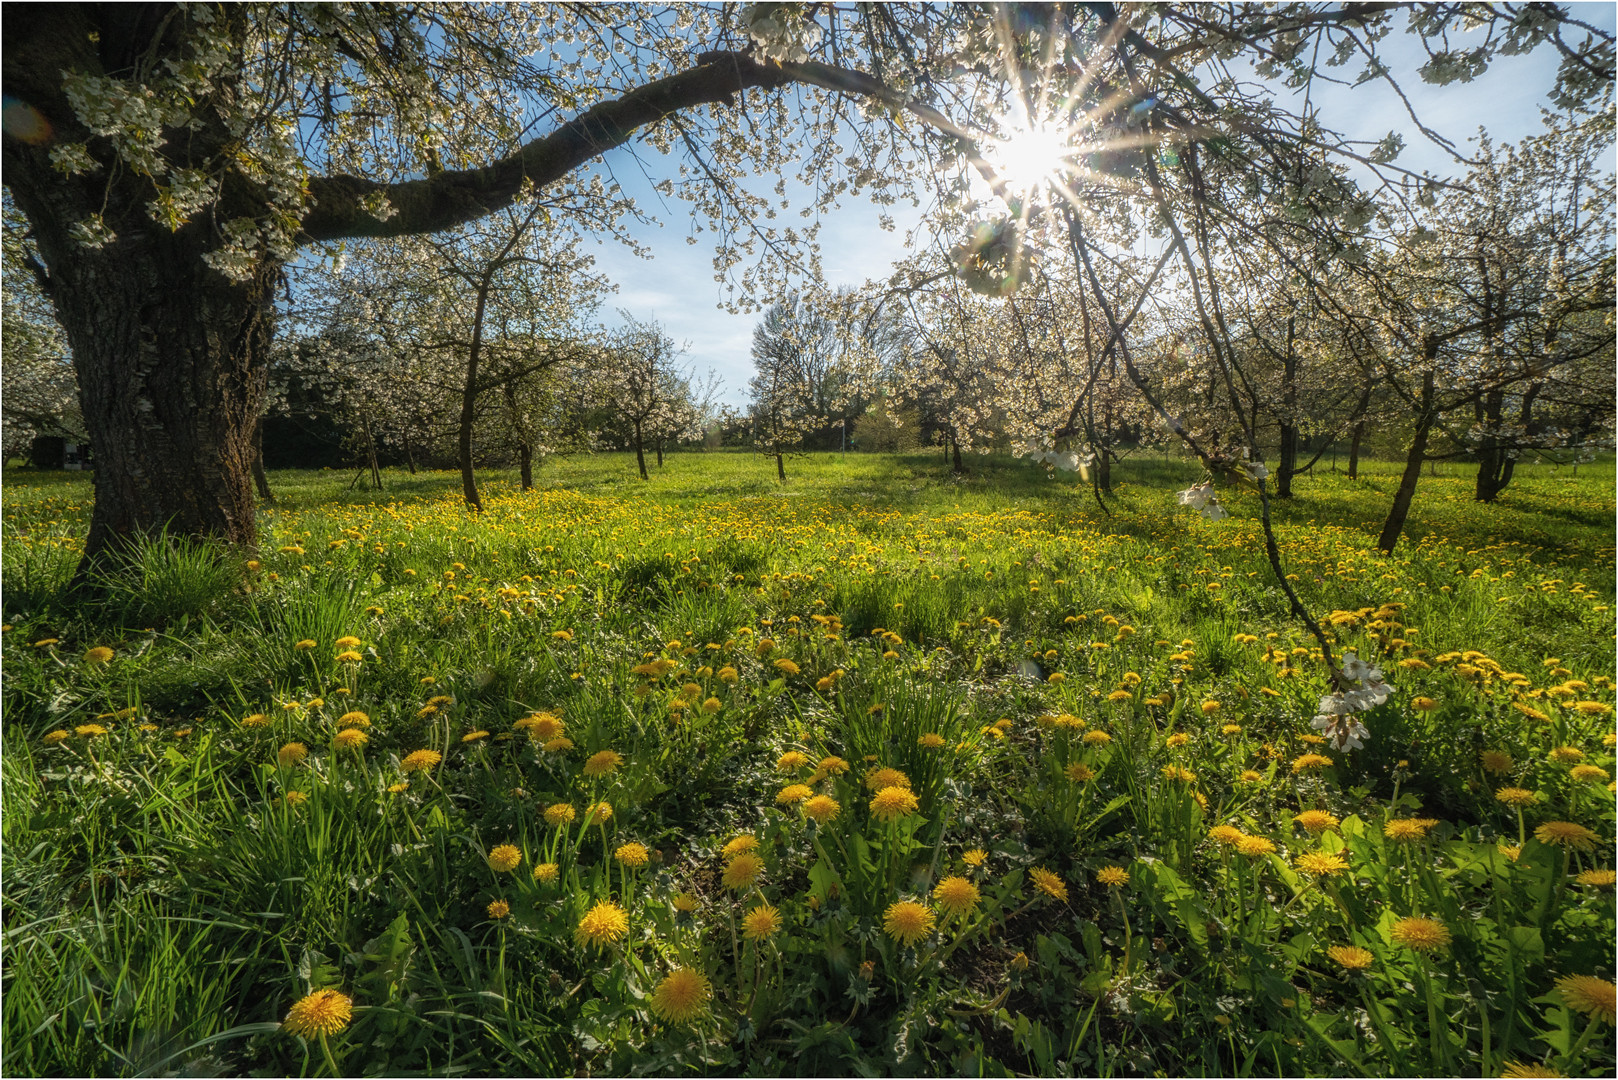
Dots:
pixel 172 160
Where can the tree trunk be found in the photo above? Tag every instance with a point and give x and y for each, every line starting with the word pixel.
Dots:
pixel 261 481
pixel 525 464
pixel 955 457
pixel 469 398
pixel 1287 466
pixel 410 453
pixel 780 469
pixel 170 358
pixel 1407 483
pixel 1354 451
pixel 640 454
pixel 660 453
pixel 1497 461
pixel 1104 469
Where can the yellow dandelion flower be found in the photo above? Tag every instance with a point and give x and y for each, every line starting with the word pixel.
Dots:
pixel 1516 796
pixel 559 745
pixel 1351 957
pixel 504 858
pixel 293 753
pixel 1597 879
pixel 1320 864
pixel 908 922
pixel 1592 708
pixel 681 995
pixel 349 656
pixel 602 763
pixel 546 872
pixel 822 808
pixel 1210 707
pixel 54 737
pixel 1120 695
pixel 1566 755
pixel 1316 821
pixel 599 814
pixel 744 843
pixel 742 871
pixel 1588 774
pixel 891 803
pixel 1566 834
pixel 1231 729
pixel 877 779
pixel 347 642
pixel 297 798
pixel 1496 761
pixel 974 857
pixel 786 667
pixel 420 760
pixel 1226 835
pixel 1174 742
pixel 1529 1070
pixel 1592 996
pixel 1097 738
pixel 956 895
pixel 98 655
pixel 1174 772
pixel 1424 704
pixel 498 909
pixel 350 739
pixel 792 759
pixel 1251 776
pixel 604 924
pixel 1079 772
pixel 931 741
pixel 1422 935
pixel 306 644
pixel 793 794
pixel 1255 846
pixel 394 789
pixel 632 855
pixel 1048 883
pixel 1405 830
pixel 761 922
pixel 1114 877
pixel 474 736
pixel 559 814
pixel 1309 761
pixel 324 1012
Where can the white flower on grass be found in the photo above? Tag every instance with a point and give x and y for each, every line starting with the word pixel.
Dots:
pixel 1201 497
pixel 1343 732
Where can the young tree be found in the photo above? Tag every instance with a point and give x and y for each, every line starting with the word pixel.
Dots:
pixel 639 381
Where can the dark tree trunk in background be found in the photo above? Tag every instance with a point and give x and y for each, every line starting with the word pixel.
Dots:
pixel 780 469
pixel 1287 466
pixel 525 452
pixel 410 453
pixel 1496 460
pixel 469 398
pixel 955 457
pixel 1425 418
pixel 260 480
pixel 640 454
pixel 1354 451
pixel 660 453
pixel 525 464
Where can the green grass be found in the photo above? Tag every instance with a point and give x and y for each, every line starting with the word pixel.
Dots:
pixel 173 885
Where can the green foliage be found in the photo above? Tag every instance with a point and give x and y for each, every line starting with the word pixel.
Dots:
pixel 1108 748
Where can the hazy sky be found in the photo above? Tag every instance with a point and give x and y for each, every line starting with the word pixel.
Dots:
pixel 676 286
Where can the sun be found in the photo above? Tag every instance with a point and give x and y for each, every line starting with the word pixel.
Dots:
pixel 1031 157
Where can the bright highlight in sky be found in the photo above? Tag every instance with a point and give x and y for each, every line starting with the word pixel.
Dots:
pixel 1031 157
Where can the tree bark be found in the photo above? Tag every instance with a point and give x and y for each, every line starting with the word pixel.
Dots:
pixel 660 453
pixel 1496 460
pixel 410 454
pixel 1425 417
pixel 955 457
pixel 1104 469
pixel 640 454
pixel 780 469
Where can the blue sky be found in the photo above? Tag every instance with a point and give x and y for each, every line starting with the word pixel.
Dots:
pixel 676 285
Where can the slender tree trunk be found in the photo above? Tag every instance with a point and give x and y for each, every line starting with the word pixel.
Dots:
pixel 1354 451
pixel 660 453
pixel 469 398
pixel 640 454
pixel 261 480
pixel 780 469
pixel 525 453
pixel 1407 483
pixel 955 457
pixel 525 464
pixel 1104 468
pixel 1287 466
pixel 410 453
pixel 370 453
pixel 1497 462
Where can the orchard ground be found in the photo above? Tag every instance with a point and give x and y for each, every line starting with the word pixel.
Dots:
pixel 879 772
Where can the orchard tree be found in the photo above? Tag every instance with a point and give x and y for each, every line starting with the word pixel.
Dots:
pixel 641 385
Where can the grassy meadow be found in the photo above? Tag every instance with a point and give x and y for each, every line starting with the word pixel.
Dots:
pixel 883 772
